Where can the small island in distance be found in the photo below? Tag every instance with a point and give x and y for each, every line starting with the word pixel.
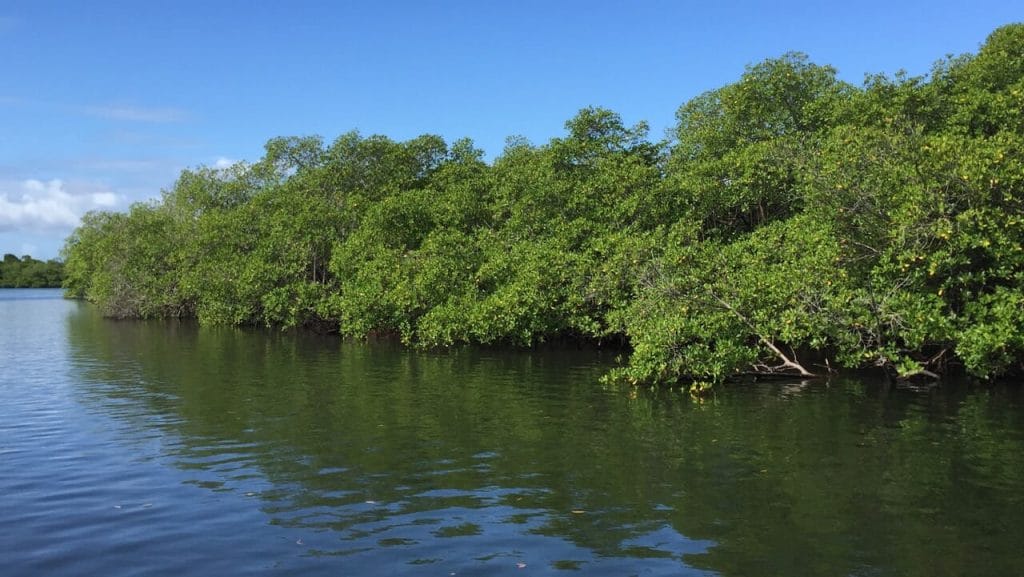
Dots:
pixel 27 272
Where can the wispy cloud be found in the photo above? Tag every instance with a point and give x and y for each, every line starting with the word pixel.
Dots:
pixel 10 101
pixel 137 113
pixel 52 205
pixel 224 162
pixel 8 23
pixel 121 165
pixel 140 136
pixel 120 112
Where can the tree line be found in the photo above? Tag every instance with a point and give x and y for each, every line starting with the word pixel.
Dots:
pixel 792 223
pixel 27 272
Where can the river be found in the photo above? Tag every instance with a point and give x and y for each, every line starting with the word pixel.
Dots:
pixel 164 448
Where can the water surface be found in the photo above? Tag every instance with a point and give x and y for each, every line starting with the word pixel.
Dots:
pixel 162 448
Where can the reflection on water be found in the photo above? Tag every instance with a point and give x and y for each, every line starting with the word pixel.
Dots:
pixel 379 455
pixel 248 451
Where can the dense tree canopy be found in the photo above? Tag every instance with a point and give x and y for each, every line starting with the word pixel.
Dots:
pixel 794 224
pixel 27 272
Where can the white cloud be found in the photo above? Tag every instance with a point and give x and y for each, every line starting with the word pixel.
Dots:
pixel 38 205
pixel 223 162
pixel 104 199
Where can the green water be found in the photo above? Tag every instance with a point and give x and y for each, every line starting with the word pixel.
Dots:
pixel 162 448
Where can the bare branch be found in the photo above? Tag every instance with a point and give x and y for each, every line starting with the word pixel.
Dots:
pixel 786 361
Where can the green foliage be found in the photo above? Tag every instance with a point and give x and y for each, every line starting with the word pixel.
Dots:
pixel 739 148
pixel 27 272
pixel 709 310
pixel 792 217
pixel 128 264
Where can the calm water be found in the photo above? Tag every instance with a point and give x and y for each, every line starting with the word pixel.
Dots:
pixel 157 448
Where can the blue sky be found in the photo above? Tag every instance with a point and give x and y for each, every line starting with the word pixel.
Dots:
pixel 103 103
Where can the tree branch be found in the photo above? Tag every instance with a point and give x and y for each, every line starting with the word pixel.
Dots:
pixel 786 361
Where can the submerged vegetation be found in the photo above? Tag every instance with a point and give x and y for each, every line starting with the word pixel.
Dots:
pixel 790 216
